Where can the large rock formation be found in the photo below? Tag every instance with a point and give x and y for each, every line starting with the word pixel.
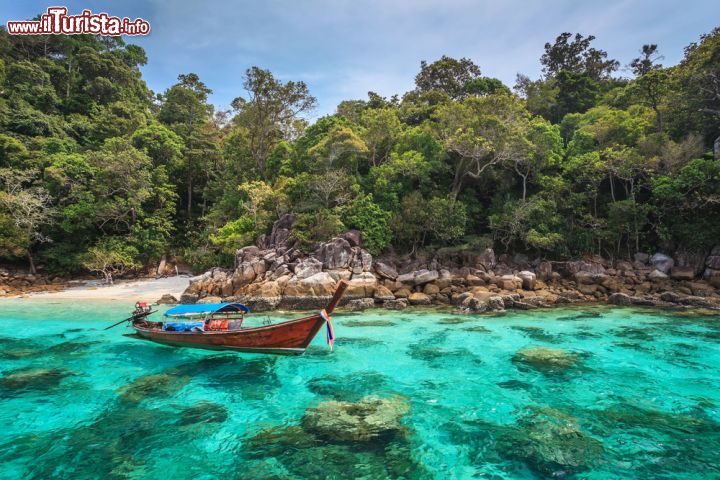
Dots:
pixel 280 275
pixel 363 421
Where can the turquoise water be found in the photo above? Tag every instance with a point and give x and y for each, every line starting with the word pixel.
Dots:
pixel 636 394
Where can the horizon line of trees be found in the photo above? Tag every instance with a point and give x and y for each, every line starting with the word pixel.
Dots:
pixel 99 173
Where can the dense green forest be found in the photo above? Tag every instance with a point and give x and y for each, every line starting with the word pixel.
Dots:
pixel 594 157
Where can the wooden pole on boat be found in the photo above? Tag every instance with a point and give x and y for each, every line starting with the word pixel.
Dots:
pixel 130 319
pixel 341 286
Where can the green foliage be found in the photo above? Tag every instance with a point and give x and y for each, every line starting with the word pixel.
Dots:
pixel 94 171
pixel 534 223
pixel 234 235
pixel 688 204
pixel 111 256
pixel 13 241
pixel 312 228
pixel 448 75
pixel 420 222
pixel 365 215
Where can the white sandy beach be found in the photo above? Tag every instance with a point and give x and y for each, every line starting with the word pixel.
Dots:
pixel 146 290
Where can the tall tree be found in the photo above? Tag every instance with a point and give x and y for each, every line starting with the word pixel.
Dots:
pixel 448 75
pixel 28 206
pixel 652 82
pixel 185 110
pixel 577 56
pixel 270 111
pixel 482 132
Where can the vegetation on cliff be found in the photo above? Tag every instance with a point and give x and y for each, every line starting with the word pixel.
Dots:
pixel 98 172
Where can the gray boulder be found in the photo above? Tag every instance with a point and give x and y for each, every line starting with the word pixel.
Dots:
pixel 308 267
pixel 418 277
pixel 397 304
pixel 528 279
pixel 188 298
pixel 713 260
pixel 360 304
pixel 682 273
pixel 335 254
pixel 712 276
pixel 354 237
pixel 544 270
pixel 385 270
pixel 657 276
pixel 487 259
pixel 281 230
pixel 662 262
pixel 167 299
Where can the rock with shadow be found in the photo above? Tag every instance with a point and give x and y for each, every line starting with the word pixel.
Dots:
pixel 26 380
pixel 363 439
pixel 351 387
pixel 202 413
pixel 152 386
pixel 547 441
pixel 545 360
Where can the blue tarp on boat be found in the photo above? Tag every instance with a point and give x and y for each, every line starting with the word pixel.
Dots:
pixel 184 326
pixel 205 309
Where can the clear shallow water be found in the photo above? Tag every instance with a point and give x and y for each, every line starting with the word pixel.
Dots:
pixel 638 397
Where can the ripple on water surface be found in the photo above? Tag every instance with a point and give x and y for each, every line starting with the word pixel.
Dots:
pixel 575 393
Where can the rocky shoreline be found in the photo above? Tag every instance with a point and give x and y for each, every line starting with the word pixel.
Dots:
pixel 21 283
pixel 276 274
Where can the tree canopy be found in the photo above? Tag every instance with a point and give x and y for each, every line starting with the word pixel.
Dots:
pixel 99 173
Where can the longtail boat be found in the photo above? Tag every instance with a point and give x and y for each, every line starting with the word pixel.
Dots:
pixel 219 326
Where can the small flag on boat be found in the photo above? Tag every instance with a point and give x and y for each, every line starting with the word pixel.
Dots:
pixel 330 331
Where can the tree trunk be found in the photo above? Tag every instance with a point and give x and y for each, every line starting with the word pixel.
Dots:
pixel 189 194
pixel 31 262
pixel 716 148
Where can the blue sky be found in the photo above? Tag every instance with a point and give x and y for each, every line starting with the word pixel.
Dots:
pixel 343 48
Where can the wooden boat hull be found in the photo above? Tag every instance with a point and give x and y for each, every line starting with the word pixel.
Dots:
pixel 291 337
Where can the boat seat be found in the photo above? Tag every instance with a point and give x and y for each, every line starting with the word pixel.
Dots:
pixel 217 325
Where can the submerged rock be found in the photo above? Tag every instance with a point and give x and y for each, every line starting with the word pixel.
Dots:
pixel 478 328
pixel 350 387
pixel 437 357
pixel 337 440
pixel 368 323
pixel 33 379
pixel 201 413
pixel 159 385
pixel 537 333
pixel 550 442
pixel 362 421
pixel 298 453
pixel 514 385
pixel 545 359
